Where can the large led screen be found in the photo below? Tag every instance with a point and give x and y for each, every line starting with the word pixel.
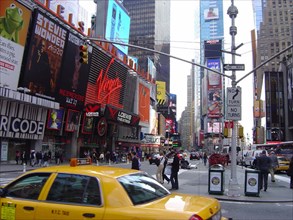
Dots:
pixel 14 23
pixel 117 25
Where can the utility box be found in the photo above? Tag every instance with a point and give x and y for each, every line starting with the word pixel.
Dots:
pixel 252 181
pixel 216 179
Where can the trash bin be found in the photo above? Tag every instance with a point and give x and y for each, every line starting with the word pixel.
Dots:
pixel 252 180
pixel 216 179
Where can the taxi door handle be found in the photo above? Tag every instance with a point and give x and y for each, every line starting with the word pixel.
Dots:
pixel 28 208
pixel 89 215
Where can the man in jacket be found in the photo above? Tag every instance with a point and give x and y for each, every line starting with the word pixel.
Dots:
pixel 275 165
pixel 263 164
pixel 174 172
pixel 135 161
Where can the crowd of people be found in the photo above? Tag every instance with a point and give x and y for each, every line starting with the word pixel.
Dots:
pixel 38 158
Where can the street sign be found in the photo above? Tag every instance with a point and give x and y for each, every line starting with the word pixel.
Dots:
pixel 233 113
pixel 230 67
pixel 234 96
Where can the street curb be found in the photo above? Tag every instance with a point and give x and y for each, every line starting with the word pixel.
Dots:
pixel 253 201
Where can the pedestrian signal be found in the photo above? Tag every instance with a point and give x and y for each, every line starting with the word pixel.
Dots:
pixel 83 54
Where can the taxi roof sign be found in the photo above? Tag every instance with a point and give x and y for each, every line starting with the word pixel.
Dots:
pixel 80 161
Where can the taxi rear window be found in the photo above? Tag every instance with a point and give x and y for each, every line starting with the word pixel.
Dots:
pixel 73 188
pixel 142 188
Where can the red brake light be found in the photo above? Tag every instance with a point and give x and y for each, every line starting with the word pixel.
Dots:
pixel 195 217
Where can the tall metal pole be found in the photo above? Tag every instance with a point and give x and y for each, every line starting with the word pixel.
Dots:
pixel 234 189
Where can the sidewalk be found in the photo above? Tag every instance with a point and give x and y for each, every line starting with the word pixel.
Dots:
pixel 196 181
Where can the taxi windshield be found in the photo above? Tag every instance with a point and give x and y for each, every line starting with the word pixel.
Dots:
pixel 142 188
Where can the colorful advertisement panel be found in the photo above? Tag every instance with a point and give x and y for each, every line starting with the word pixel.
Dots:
pixel 215 97
pixel 211 13
pixel 123 117
pixel 44 56
pixel 107 80
pixel 74 76
pixel 204 83
pixel 173 103
pixel 14 23
pixel 72 120
pixel 117 25
pixel 153 121
pixel 212 21
pixel 87 124
pixel 55 119
pixel 144 103
pixel 161 92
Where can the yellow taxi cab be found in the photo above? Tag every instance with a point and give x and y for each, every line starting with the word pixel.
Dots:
pixel 83 191
pixel 283 164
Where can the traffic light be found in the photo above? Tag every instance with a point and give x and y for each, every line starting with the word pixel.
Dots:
pixel 83 54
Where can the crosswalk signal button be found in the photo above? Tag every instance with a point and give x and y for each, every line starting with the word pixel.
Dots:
pixel 83 54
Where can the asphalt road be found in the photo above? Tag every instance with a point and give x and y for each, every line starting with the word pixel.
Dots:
pixel 231 209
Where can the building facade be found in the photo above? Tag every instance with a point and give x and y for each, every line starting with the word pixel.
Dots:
pixel 274 35
pixel 211 36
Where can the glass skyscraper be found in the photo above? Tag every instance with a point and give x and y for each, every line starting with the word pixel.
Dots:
pixel 150 28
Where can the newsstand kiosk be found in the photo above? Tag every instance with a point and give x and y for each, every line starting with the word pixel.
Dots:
pixel 216 179
pixel 252 180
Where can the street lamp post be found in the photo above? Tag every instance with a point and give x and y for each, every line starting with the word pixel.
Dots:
pixel 234 189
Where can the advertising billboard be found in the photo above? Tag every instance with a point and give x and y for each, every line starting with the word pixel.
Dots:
pixel 72 120
pixel 117 25
pixel 55 119
pixel 107 80
pixel 44 56
pixel 214 93
pixel 144 103
pixel 212 48
pixel 211 13
pixel 14 23
pixel 73 79
pixel 161 92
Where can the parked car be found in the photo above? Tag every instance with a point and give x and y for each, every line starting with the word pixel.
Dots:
pixel 194 156
pixel 240 159
pixel 153 157
pixel 84 191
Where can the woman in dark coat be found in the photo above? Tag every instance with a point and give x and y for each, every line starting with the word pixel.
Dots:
pixel 290 172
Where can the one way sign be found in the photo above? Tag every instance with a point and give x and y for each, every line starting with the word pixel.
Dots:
pixel 230 67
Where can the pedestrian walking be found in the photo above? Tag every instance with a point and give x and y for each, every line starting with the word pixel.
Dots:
pixel 17 156
pixel 290 172
pixel 205 158
pixel 39 157
pixel 165 177
pixel 274 165
pixel 263 164
pixel 101 157
pixel 135 161
pixel 160 168
pixel 23 158
pixel 174 172
pixel 46 159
